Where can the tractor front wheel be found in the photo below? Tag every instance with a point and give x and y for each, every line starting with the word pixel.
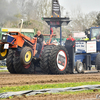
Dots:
pixel 9 61
pixel 22 68
pixel 26 55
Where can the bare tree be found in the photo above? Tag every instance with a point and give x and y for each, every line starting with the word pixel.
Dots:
pixel 97 20
pixel 81 21
pixel 44 8
pixel 3 10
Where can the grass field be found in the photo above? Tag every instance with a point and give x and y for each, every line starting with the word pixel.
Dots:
pixel 46 86
pixel 3 70
pixel 3 66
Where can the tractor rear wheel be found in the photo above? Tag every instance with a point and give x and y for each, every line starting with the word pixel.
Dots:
pixel 59 60
pixel 26 55
pixel 44 59
pixel 3 52
pixel 21 68
pixel 9 61
pixel 97 62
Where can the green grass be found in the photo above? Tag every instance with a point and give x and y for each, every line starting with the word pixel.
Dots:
pixel 3 66
pixel 3 70
pixel 49 86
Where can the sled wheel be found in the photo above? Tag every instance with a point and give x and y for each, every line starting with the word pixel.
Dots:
pixel 59 60
pixel 79 67
pixel 97 62
pixel 26 55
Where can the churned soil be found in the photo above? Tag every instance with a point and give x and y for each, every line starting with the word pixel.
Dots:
pixel 7 79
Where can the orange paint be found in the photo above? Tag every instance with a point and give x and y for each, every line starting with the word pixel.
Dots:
pixel 20 39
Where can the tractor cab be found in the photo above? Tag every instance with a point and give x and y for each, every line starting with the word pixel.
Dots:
pixel 86 51
pixel 95 35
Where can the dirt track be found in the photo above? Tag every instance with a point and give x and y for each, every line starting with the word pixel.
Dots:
pixel 7 79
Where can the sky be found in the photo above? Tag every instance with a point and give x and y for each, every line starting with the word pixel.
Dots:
pixel 86 6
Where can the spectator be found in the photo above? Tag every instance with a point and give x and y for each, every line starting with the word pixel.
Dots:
pixel 70 46
pixel 70 41
pixel 70 38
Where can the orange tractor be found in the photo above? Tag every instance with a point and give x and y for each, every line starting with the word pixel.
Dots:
pixel 20 53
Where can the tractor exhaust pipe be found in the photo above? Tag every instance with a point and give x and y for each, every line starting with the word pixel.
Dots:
pixel 21 25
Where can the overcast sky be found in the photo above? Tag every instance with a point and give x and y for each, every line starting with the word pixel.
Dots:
pixel 85 5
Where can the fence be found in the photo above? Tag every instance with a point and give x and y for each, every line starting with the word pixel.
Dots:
pixel 3 63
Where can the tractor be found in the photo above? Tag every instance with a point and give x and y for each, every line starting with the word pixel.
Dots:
pixel 20 53
pixel 87 51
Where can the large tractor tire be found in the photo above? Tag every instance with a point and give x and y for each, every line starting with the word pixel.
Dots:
pixel 97 62
pixel 37 69
pixel 21 68
pixel 44 59
pixel 59 60
pixel 9 61
pixel 26 55
pixel 3 52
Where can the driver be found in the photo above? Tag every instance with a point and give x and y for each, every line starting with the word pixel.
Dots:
pixel 98 36
pixel 40 39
